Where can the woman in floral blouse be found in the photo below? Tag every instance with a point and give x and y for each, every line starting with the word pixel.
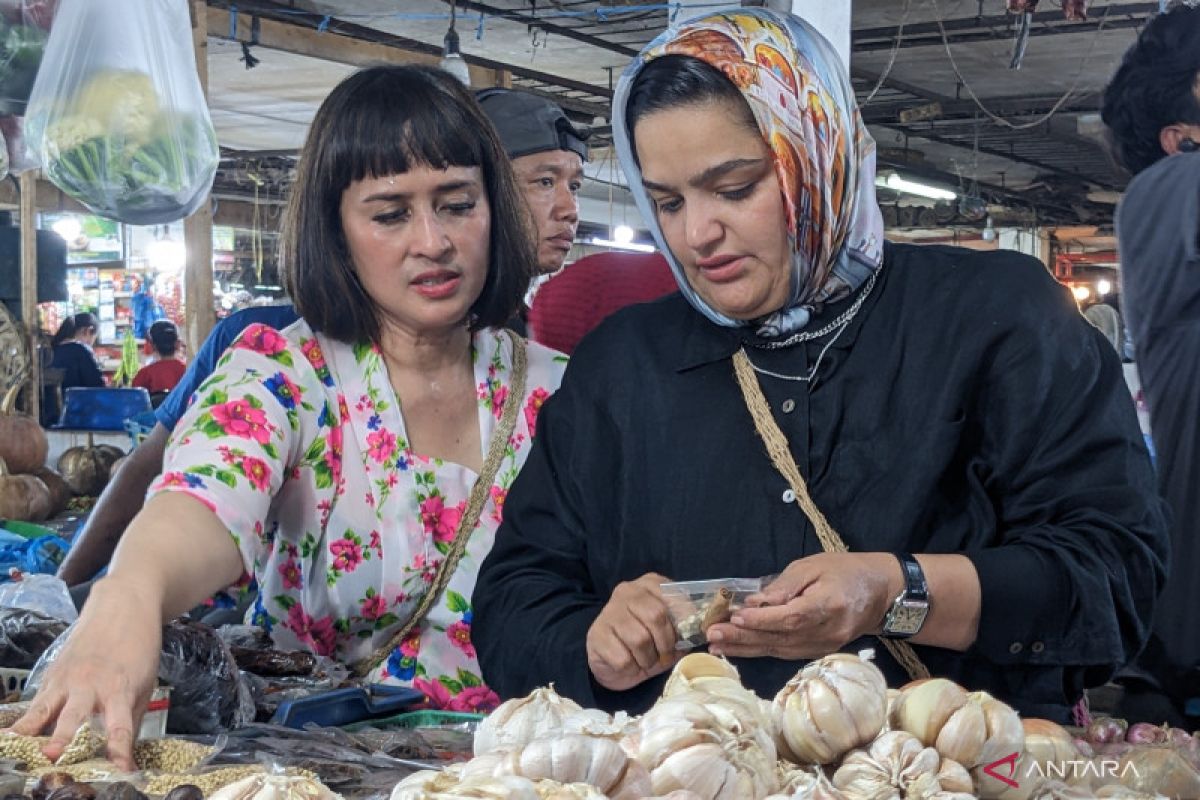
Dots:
pixel 340 452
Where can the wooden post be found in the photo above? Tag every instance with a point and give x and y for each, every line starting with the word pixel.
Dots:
pixel 29 311
pixel 198 313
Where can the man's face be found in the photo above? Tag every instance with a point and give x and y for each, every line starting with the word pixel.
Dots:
pixel 551 181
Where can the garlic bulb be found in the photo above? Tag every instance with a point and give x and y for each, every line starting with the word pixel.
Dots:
pixel 971 729
pixel 521 720
pixel 275 787
pixel 567 759
pixel 894 764
pixel 954 777
pixel 698 671
pixel 800 784
pixel 833 705
pixel 704 770
pixel 452 785
pixel 1047 747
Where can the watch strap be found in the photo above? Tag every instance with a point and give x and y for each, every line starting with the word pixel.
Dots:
pixel 915 586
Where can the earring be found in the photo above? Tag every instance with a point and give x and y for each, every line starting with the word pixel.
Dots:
pixel 392 181
pixel 1188 146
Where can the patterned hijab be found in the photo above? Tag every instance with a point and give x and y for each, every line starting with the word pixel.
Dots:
pixel 801 97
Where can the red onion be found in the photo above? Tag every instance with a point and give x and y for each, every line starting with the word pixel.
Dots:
pixel 1145 733
pixel 1084 747
pixel 1179 739
pixel 1105 730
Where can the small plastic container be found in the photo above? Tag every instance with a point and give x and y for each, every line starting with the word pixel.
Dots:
pixel 694 606
pixel 102 409
pixel 154 721
pixel 344 706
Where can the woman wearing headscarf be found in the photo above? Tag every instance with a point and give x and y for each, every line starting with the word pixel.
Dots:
pixel 952 460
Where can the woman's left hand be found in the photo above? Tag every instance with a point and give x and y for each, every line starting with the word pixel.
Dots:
pixel 815 607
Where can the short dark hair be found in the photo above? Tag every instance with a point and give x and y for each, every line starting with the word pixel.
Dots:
pixel 675 80
pixel 385 121
pixel 165 337
pixel 1154 87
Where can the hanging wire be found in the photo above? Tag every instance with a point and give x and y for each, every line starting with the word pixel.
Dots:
pixel 892 58
pixel 999 120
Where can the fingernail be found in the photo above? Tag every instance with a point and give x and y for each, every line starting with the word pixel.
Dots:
pixel 738 621
pixel 715 636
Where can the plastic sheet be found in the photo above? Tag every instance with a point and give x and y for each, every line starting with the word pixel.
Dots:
pixel 25 635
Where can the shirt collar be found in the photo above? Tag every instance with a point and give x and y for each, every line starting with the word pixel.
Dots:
pixel 705 342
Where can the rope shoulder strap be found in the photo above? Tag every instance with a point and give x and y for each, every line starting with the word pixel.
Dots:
pixel 480 492
pixel 781 456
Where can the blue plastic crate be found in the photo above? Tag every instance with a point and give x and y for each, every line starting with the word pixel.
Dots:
pixel 102 409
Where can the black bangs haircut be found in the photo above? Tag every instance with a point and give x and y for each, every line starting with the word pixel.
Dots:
pixel 1154 87
pixel 386 121
pixel 674 81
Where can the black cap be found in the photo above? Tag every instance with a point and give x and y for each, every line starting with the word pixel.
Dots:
pixel 528 123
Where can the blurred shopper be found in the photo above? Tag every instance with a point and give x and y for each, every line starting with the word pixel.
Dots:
pixel 161 376
pixel 576 300
pixel 1152 109
pixel 73 352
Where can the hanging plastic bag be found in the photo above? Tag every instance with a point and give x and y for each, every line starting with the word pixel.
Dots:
pixel 117 117
pixel 24 27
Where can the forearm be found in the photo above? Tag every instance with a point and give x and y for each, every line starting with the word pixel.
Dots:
pixel 954 598
pixel 120 502
pixel 175 554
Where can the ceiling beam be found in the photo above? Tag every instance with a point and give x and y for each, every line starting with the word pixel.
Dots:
pixel 548 27
pixel 1010 107
pixel 980 28
pixel 347 43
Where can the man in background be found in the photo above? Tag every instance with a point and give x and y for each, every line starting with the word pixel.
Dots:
pixel 1152 110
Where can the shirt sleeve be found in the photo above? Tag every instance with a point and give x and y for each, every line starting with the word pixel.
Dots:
pixel 236 443
pixel 142 380
pixel 534 599
pixel 1083 543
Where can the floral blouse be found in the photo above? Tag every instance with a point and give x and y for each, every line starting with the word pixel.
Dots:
pixel 298 444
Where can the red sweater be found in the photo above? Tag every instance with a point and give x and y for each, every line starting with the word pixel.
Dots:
pixel 161 376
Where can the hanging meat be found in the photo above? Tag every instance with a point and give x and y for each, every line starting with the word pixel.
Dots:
pixel 1075 10
pixel 1022 6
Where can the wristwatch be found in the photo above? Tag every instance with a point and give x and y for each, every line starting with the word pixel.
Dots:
pixel 911 606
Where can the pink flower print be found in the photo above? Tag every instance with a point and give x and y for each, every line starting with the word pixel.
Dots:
pixel 411 646
pixel 459 635
pixel 347 555
pixel 498 497
pixel 440 521
pixel 227 456
pixel 239 418
pixel 318 634
pixel 381 446
pixel 533 406
pixel 172 479
pixel 428 569
pixel 374 607
pixel 333 453
pixel 439 695
pixel 312 351
pixel 262 339
pixel 474 700
pixel 257 472
pixel 370 499
pixel 343 409
pixel 499 396
pixel 376 544
pixel 290 571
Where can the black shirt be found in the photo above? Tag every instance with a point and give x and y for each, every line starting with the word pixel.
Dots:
pixel 1158 229
pixel 80 364
pixel 967 408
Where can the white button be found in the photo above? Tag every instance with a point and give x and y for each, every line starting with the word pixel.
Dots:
pixel 789 406
pixel 789 496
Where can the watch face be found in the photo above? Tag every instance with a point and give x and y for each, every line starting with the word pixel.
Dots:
pixel 906 618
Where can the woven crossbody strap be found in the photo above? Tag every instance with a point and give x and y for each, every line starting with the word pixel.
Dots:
pixel 781 457
pixel 480 493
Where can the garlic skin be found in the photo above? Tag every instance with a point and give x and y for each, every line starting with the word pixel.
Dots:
pixel 800 784
pixel 699 671
pixel 895 764
pixel 521 720
pixel 833 705
pixel 970 728
pixel 703 770
pixel 566 759
pixel 1045 743
pixel 275 787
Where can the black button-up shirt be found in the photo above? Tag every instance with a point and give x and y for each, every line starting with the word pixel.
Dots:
pixel 967 408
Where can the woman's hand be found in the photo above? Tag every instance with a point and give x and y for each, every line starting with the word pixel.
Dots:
pixel 815 607
pixel 633 639
pixel 108 666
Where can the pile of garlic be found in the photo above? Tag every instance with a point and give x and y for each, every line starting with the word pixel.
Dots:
pixel 834 732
